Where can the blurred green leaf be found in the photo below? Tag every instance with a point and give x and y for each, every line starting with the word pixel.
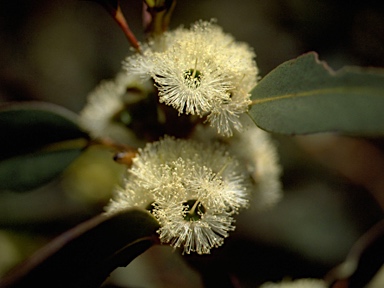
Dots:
pixel 84 256
pixel 26 172
pixel 39 140
pixel 304 95
pixel 27 126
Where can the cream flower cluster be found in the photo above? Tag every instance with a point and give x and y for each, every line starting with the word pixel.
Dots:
pixel 257 153
pixel 192 189
pixel 200 71
pixel 105 103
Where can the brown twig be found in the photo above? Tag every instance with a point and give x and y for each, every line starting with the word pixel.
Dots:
pixel 114 9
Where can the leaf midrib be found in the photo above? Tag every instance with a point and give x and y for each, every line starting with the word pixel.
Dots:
pixel 357 90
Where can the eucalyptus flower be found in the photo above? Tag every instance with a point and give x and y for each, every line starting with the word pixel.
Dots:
pixel 299 283
pixel 257 152
pixel 192 189
pixel 200 71
pixel 104 115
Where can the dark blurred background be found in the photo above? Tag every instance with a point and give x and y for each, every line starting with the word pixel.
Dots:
pixel 57 51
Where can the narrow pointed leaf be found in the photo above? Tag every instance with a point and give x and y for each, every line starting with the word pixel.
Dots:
pixel 84 256
pixel 304 95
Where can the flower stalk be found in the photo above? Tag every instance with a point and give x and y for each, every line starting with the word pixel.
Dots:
pixel 114 9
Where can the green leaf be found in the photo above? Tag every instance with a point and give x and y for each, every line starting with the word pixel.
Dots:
pixel 304 95
pixel 84 256
pixel 27 126
pixel 38 141
pixel 30 171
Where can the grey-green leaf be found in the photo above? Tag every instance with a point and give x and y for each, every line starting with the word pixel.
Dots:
pixel 304 95
pixel 84 256
pixel 26 172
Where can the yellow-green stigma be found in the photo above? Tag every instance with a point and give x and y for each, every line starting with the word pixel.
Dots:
pixel 194 210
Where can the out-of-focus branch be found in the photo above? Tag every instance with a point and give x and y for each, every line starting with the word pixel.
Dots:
pixel 356 159
pixel 114 9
